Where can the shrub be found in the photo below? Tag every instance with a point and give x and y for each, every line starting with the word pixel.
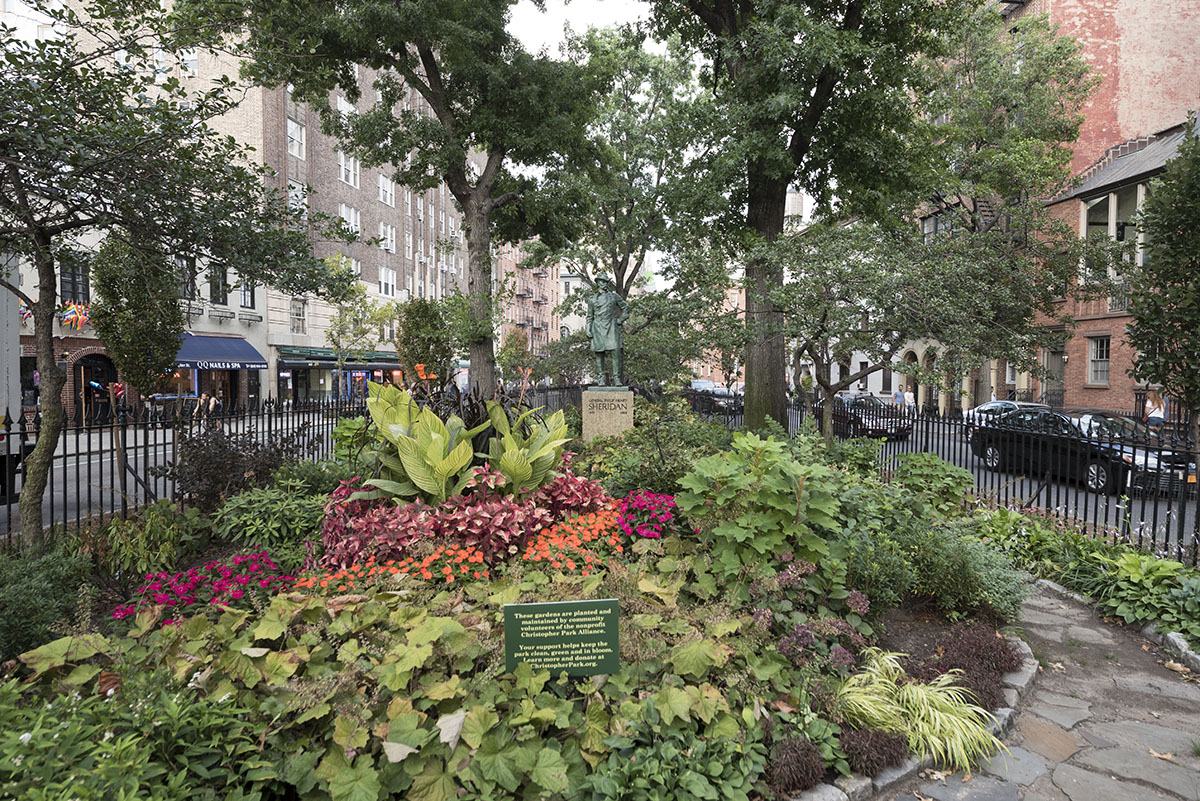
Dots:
pixel 961 575
pixel 869 751
pixel 154 739
pixel 269 518
pixel 935 718
pixel 942 485
pixel 756 500
pixel 795 766
pixel 307 477
pixel 215 464
pixel 665 443
pixel 35 595
pixel 156 537
pixel 651 761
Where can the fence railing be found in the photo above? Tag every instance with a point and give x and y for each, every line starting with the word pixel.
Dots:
pixel 1103 470
pixel 109 466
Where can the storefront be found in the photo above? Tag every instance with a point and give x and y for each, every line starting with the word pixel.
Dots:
pixel 225 367
pixel 312 374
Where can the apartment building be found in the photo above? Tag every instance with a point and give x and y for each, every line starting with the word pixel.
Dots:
pixel 248 343
pixel 533 308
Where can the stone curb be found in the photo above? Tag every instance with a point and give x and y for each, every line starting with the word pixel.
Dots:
pixel 857 787
pixel 1172 639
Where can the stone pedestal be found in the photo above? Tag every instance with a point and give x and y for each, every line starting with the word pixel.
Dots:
pixel 607 411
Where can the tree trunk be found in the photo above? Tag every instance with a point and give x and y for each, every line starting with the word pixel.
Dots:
pixel 827 394
pixel 482 374
pixel 39 461
pixel 766 371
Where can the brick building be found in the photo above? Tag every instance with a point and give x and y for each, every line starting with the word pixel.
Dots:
pixel 1150 80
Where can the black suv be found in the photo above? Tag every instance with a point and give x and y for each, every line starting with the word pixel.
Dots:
pixel 1043 442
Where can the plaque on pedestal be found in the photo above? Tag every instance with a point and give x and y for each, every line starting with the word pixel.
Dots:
pixel 607 411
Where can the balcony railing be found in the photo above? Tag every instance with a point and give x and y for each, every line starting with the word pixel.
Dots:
pixel 1119 300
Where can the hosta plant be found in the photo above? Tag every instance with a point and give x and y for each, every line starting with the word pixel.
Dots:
pixel 421 456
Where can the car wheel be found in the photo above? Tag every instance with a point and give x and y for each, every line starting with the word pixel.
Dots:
pixel 993 457
pixel 1099 477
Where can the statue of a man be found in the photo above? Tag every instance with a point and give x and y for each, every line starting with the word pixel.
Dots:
pixel 607 312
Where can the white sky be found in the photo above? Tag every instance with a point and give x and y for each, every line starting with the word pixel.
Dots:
pixel 539 30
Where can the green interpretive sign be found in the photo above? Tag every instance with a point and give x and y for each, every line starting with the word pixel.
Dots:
pixel 579 637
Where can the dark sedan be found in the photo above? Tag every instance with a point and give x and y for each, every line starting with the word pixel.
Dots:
pixel 865 416
pixel 1043 442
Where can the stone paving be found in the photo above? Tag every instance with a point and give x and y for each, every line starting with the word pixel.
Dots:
pixel 1105 721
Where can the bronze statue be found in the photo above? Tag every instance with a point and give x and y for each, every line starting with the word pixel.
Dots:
pixel 607 312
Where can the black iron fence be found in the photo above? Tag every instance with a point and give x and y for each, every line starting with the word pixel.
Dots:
pixel 109 466
pixel 1105 470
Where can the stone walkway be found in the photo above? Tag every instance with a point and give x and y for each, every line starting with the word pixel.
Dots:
pixel 1105 720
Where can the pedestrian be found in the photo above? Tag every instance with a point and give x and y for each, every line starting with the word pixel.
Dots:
pixel 898 397
pixel 201 410
pixel 910 401
pixel 1156 411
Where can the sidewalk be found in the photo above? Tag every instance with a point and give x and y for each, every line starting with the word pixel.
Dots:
pixel 1105 720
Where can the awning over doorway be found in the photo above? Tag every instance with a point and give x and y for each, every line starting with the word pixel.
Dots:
pixel 199 352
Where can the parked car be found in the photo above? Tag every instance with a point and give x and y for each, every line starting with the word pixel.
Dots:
pixel 1044 442
pixel 985 412
pixel 864 416
pixel 1106 425
pixel 700 385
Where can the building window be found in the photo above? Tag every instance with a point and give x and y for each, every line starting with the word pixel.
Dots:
pixel 387 282
pixel 408 243
pixel 297 196
pixel 862 382
pixel 298 316
pixel 408 201
pixel 1011 377
pixel 387 191
pixel 73 286
pixel 348 170
pixel 344 107
pixel 350 216
pixel 218 288
pixel 296 138
pixel 1098 352
pixel 387 237
pixel 356 266
pixel 189 60
pixel 247 294
pixel 887 381
pixel 187 269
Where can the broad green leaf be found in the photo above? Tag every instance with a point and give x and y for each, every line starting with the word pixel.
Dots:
pixel 64 650
pixel 451 727
pixel 478 723
pixel 359 783
pixel 433 784
pixel 672 703
pixel 696 657
pixel 550 771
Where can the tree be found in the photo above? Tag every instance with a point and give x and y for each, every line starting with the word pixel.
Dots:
pixel 492 104
pixel 136 313
pixel 1164 295
pixel 424 336
pixel 514 355
pixel 818 96
pixel 637 189
pixel 93 147
pixel 353 331
pixel 984 273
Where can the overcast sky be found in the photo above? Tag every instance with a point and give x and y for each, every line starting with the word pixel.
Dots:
pixel 545 30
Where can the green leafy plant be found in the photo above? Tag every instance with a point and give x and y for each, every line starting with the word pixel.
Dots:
pixel 157 537
pixel 37 593
pixel 306 477
pixel 152 739
pixel 269 518
pixel 687 761
pixel 756 500
pixel 421 456
pixel 526 451
pixel 951 568
pixel 942 485
pixel 936 718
